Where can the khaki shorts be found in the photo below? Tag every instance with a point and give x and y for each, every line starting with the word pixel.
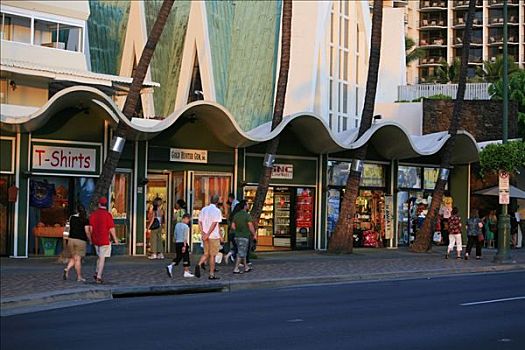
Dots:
pixel 103 250
pixel 76 247
pixel 212 247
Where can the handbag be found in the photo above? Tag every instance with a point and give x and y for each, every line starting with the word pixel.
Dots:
pixel 481 238
pixel 67 228
pixel 437 237
pixel 155 224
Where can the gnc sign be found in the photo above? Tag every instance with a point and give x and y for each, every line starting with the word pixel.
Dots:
pixel 282 171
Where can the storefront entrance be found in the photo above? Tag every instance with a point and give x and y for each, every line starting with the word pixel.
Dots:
pixel 372 226
pixel 195 189
pixel 287 220
pixel 7 208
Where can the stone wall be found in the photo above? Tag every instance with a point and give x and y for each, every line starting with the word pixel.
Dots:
pixel 483 119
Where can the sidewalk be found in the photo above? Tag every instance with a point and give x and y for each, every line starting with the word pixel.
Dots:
pixel 38 281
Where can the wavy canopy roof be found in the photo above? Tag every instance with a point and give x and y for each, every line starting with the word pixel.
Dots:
pixel 390 139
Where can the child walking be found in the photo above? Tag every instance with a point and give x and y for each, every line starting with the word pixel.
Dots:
pixel 182 248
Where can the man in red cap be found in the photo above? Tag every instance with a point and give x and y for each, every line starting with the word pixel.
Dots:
pixel 101 225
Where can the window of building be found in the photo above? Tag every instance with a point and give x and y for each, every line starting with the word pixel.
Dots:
pixel 343 54
pixel 16 28
pixel 41 32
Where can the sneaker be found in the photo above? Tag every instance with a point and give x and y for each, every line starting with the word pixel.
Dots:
pixel 160 256
pixel 152 257
pixel 188 274
pixel 197 271
pixel 169 271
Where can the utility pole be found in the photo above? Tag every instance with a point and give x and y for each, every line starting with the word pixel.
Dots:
pixel 503 254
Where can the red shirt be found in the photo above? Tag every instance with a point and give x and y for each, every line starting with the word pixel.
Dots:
pixel 454 225
pixel 101 221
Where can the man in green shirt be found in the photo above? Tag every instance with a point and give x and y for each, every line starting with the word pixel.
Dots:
pixel 244 228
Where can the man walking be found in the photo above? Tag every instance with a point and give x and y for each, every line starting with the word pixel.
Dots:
pixel 209 219
pixel 101 225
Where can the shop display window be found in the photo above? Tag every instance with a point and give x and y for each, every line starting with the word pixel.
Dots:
pixel 408 177
pixel 51 201
pixel 119 196
pixel 430 177
pixel 119 208
pixel 265 226
pixel 338 173
pixel 206 186
pixel 369 223
pixel 373 175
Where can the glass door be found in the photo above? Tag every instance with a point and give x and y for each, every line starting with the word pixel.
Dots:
pixel 203 186
pixel 158 189
pixel 8 194
pixel 265 226
pixel 282 209
pixel 304 218
pixel 120 210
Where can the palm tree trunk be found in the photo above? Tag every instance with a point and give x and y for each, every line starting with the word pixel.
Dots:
pixel 122 132
pixel 342 240
pixel 282 82
pixel 423 240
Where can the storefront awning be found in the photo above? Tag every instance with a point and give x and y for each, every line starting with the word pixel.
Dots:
pixel 390 139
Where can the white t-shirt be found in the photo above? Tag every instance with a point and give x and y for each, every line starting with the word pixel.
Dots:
pixel 207 217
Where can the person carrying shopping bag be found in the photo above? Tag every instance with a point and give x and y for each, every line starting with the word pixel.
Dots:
pixel 474 234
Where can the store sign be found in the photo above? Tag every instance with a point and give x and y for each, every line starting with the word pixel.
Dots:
pixel 282 171
pixel 504 188
pixel 389 217
pixel 188 155
pixel 45 157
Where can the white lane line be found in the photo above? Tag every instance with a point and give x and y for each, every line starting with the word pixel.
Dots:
pixel 492 301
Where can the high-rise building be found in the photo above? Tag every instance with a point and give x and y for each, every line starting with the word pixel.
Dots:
pixel 441 24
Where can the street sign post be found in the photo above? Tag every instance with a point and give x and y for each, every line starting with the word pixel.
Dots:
pixel 504 188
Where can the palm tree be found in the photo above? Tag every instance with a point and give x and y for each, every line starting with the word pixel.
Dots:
pixel 130 106
pixel 448 73
pixel 423 240
pixel 282 82
pixel 412 52
pixel 342 240
pixel 492 71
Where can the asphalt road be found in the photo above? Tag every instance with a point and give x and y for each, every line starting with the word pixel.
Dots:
pixel 410 314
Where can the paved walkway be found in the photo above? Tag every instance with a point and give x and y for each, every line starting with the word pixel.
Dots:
pixel 34 278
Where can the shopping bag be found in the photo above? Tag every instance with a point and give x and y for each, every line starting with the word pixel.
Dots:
pixel 437 237
pixel 218 258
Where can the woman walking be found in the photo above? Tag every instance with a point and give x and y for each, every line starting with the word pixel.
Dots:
pixel 77 242
pixel 491 225
pixel 474 234
pixel 244 228
pixel 454 229
pixel 155 222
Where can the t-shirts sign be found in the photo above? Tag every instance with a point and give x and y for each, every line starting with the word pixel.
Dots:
pixel 47 157
pixel 188 155
pixel 282 171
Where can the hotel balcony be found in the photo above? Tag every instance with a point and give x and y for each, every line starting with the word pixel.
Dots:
pixel 432 5
pixel 499 3
pixel 431 61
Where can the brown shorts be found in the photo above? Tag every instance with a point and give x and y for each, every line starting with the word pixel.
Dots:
pixel 76 247
pixel 212 246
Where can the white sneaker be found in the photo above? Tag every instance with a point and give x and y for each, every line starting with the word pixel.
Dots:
pixel 160 256
pixel 152 257
pixel 188 274
pixel 169 270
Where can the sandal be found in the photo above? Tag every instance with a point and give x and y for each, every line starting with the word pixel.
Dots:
pixel 99 281
pixel 248 269
pixel 238 272
pixel 80 279
pixel 213 278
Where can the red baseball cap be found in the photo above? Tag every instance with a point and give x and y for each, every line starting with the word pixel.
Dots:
pixel 103 201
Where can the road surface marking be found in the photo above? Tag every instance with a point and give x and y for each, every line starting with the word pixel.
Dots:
pixel 295 320
pixel 492 301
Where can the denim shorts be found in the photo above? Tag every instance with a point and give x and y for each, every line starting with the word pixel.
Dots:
pixel 242 246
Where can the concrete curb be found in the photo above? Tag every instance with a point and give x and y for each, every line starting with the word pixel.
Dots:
pixel 52 300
